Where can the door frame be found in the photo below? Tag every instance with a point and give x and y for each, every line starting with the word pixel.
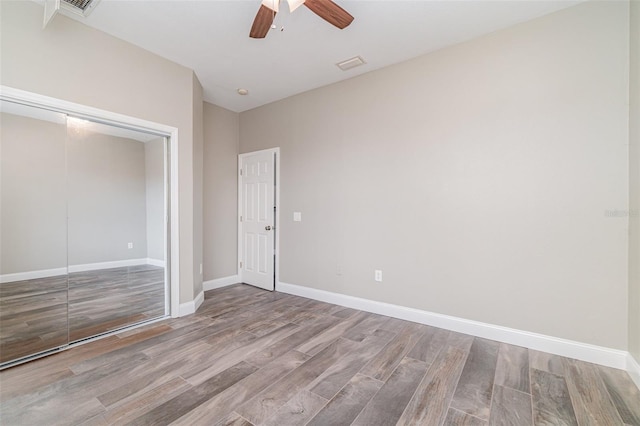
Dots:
pixel 276 252
pixel 172 240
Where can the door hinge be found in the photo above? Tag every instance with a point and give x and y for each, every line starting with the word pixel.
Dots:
pixel 240 218
pixel 240 172
pixel 240 265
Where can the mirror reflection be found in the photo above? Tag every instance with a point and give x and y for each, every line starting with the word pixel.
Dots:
pixel 33 231
pixel 115 181
pixel 82 229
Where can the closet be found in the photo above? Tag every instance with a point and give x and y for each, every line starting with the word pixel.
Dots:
pixel 83 229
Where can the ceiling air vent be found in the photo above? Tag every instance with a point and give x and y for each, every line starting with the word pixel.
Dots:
pixel 83 6
pixel 351 63
pixel 77 8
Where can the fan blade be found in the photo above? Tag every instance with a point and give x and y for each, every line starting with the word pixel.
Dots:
pixel 330 12
pixel 262 23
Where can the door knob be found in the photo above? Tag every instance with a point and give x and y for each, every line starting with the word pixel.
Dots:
pixel 267 228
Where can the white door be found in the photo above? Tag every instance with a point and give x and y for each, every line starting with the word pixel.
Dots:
pixel 257 203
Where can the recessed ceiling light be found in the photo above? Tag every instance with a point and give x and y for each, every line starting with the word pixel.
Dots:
pixel 243 92
pixel 351 63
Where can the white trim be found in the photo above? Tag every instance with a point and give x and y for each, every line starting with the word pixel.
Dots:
pixel 633 368
pixel 106 265
pixel 155 262
pixel 78 110
pixel 32 275
pixel 173 250
pixel 191 307
pixel 568 348
pixel 220 282
pixel 276 251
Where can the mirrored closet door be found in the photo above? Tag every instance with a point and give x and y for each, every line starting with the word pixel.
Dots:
pixel 83 242
pixel 33 231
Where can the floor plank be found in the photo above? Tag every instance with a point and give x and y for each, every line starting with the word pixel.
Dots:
pixel 551 401
pixel 591 400
pixel 298 410
pixel 348 403
pixel 475 387
pixel 624 393
pixel 510 407
pixel 458 418
pixel 430 403
pixel 387 405
pixel 512 369
pixel 429 345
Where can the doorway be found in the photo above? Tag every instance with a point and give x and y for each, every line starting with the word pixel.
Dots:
pixel 258 218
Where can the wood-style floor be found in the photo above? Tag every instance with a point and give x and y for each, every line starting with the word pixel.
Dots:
pixel 34 314
pixel 254 357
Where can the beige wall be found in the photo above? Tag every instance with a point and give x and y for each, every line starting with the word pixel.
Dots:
pixel 221 134
pixel 33 204
pixel 476 177
pixel 106 198
pixel 634 180
pixel 73 62
pixel 198 164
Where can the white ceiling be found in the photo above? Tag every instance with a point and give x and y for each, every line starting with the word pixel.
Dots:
pixel 212 38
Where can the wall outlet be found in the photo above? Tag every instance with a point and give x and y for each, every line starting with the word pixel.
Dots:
pixel 297 216
pixel 130 245
pixel 378 275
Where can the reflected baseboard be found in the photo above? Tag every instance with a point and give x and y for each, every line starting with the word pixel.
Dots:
pixel 45 273
pixel 155 262
pixel 32 275
pixel 106 265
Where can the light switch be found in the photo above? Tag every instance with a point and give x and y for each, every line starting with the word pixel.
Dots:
pixel 297 216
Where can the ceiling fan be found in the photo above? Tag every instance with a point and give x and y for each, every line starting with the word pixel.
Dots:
pixel 326 9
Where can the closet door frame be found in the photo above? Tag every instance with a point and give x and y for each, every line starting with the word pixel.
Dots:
pixel 107 117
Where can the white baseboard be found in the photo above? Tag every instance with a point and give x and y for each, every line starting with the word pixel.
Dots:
pixel 568 348
pixel 189 308
pixel 155 262
pixel 106 265
pixel 45 273
pixel 32 275
pixel 633 368
pixel 220 282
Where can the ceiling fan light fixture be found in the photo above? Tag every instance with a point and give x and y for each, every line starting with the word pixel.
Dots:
pixel 294 4
pixel 272 4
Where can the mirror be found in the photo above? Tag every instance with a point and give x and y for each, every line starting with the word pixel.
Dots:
pixel 83 229
pixel 116 209
pixel 33 231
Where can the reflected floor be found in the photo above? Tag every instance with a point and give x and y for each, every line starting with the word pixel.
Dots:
pixel 33 313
